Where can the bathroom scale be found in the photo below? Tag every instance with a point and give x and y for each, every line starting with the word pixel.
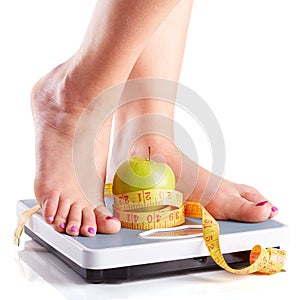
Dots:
pixel 136 254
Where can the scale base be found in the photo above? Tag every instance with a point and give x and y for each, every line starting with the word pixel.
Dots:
pixel 126 255
pixel 166 268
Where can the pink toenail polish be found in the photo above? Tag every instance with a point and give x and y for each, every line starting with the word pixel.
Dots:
pixel 274 209
pixel 74 228
pixel 50 219
pixel 91 230
pixel 112 218
pixel 62 225
pixel 261 203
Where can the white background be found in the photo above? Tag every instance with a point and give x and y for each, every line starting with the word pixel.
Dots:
pixel 242 58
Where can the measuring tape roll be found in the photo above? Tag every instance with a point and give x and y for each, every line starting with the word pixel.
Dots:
pixel 149 209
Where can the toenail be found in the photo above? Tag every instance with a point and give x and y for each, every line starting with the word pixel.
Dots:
pixel 50 219
pixel 261 203
pixel 62 225
pixel 274 209
pixel 74 228
pixel 112 218
pixel 91 230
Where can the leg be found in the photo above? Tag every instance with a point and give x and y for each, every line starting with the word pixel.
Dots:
pixel 110 48
pixel 162 59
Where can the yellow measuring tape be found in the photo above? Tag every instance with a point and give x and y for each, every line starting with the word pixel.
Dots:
pixel 158 208
pixel 148 209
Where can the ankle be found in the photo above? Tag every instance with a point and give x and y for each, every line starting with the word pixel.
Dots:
pixel 77 86
pixel 61 90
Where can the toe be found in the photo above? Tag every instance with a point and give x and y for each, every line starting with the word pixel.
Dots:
pixel 74 219
pixel 246 211
pixel 61 217
pixel 259 200
pixel 88 227
pixel 49 205
pixel 106 222
pixel 274 211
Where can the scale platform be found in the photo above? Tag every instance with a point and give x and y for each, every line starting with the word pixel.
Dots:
pixel 133 254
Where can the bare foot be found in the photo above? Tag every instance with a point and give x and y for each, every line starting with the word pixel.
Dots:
pixel 240 202
pixel 229 201
pixel 226 200
pixel 56 109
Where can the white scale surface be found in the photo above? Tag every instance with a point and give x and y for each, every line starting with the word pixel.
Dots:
pixel 119 256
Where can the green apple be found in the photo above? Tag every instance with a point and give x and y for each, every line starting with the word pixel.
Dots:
pixel 139 173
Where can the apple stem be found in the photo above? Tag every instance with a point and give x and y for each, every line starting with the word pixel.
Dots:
pixel 149 153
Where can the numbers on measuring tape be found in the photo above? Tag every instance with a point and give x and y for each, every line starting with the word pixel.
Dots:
pixel 208 238
pixel 123 199
pixel 135 218
pixel 166 206
pixel 158 218
pixel 139 197
pixel 147 196
pixel 161 194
